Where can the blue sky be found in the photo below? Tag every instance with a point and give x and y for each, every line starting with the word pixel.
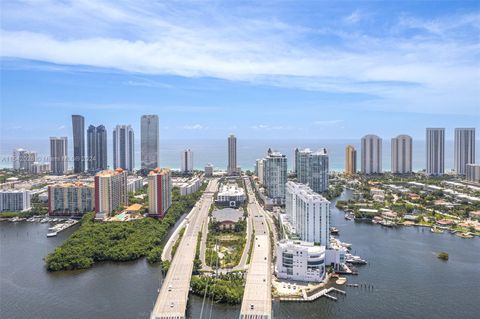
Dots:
pixel 282 69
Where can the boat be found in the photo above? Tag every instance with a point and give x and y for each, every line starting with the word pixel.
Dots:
pixel 334 230
pixel 435 230
pixel 52 234
pixel 355 260
pixel 44 220
pixel 376 220
pixel 346 245
pixel 348 217
pixel 464 235
pixel 387 223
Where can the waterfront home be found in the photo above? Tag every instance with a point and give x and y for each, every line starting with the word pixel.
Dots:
pixel 411 218
pixel 445 222
pixel 389 215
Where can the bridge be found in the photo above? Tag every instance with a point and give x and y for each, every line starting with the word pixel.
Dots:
pixel 172 300
pixel 257 298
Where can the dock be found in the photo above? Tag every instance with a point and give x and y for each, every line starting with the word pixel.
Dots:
pixel 322 293
pixel 54 230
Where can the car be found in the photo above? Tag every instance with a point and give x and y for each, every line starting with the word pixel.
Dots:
pixel 251 306
pixel 171 305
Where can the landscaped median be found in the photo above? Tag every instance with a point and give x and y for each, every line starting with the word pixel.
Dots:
pixel 226 245
pixel 125 241
pixel 226 288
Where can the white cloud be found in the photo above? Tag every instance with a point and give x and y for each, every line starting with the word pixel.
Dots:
pixel 61 127
pixel 424 73
pixel 272 127
pixel 195 127
pixel 354 17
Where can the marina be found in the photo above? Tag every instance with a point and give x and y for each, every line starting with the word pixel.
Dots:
pixel 54 230
pixel 416 245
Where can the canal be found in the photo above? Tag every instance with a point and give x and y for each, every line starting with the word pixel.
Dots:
pixel 408 280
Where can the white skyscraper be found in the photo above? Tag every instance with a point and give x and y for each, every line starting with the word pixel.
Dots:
pixel 472 172
pixel 435 151
pixel 313 169
pixel 15 200
pixel 275 176
pixel 464 149
pixel 149 142
pixel 123 147
pixel 232 168
pixel 309 213
pixel 23 159
pixel 260 169
pixel 371 159
pixel 186 161
pixel 58 155
pixel 402 154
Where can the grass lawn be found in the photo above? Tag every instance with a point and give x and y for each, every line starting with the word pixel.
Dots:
pixel 228 246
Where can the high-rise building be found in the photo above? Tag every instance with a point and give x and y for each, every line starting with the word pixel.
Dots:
pixel 402 154
pixel 260 169
pixel 159 192
pixel 309 213
pixel 97 148
pixel 472 172
pixel 319 171
pixel 295 163
pixel 123 147
pixel 303 165
pixel 435 151
pixel 71 199
pixel 208 170
pixel 40 168
pixel 313 169
pixel 186 161
pixel 275 176
pixel 464 149
pixel 150 145
pixel 110 192
pixel 78 125
pixel 58 155
pixel 350 160
pixel 13 200
pixel 371 160
pixel 232 168
pixel 23 159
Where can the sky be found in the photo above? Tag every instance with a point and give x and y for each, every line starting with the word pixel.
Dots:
pixel 260 70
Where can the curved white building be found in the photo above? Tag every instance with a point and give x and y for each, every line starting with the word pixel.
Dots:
pixel 299 260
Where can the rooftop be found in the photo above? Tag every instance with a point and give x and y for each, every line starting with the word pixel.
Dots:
pixel 134 208
pixel 160 171
pixel 227 214
pixel 108 173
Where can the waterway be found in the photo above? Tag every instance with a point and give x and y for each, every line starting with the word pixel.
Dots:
pixel 408 280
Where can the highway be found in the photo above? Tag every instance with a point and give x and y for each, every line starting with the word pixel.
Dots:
pixel 257 298
pixel 172 299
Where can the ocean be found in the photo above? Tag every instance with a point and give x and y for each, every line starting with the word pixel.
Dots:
pixel 214 151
